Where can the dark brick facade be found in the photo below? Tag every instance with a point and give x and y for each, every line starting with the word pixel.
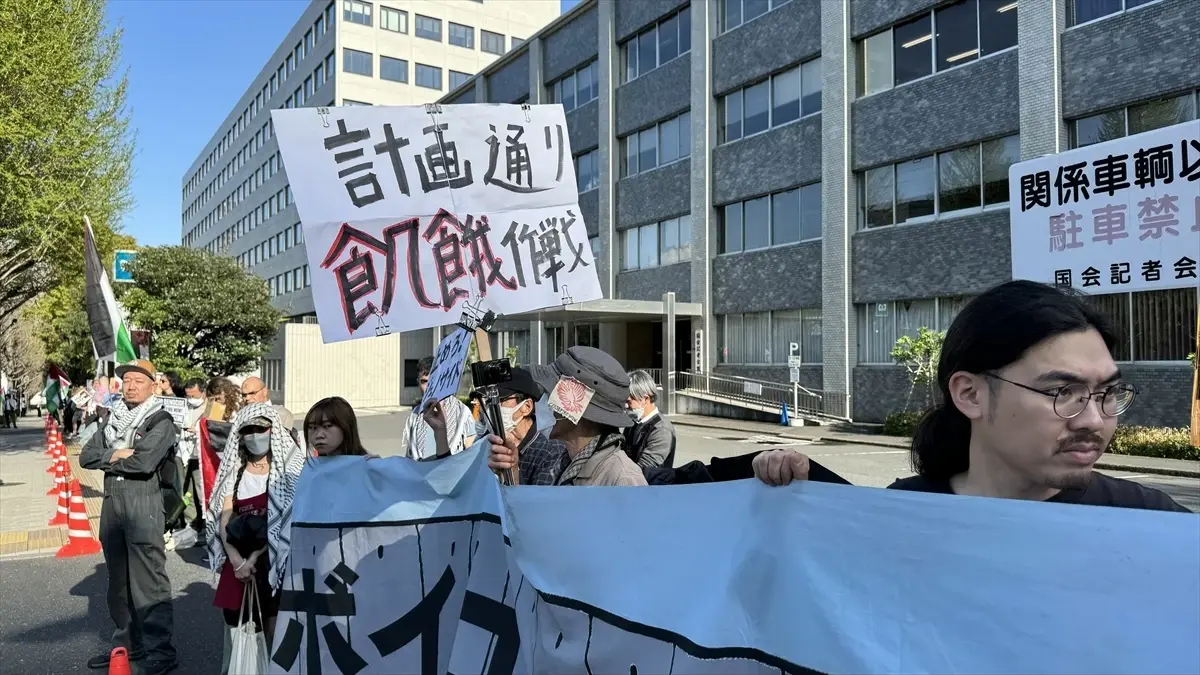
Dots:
pixel 655 195
pixel 511 81
pixel 753 50
pixel 785 277
pixel 653 282
pixel 571 46
pixel 777 159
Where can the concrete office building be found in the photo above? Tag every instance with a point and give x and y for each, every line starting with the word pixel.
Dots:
pixel 834 172
pixel 235 196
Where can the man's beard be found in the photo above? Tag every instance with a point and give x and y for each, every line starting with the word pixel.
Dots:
pixel 1079 478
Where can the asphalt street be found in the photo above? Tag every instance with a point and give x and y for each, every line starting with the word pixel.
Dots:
pixel 53 614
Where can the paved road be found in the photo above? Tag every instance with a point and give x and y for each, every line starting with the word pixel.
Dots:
pixel 53 614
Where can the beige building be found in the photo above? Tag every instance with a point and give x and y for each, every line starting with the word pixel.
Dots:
pixel 236 199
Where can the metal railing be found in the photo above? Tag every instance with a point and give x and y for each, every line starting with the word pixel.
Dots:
pixel 801 401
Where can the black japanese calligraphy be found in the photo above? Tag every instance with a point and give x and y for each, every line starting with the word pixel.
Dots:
pixel 315 604
pixel 1185 268
pixel 447 259
pixel 367 180
pixel 1072 183
pixel 1190 170
pixel 357 277
pixel 392 145
pixel 1062 278
pixel 439 168
pixel 1110 174
pixel 1108 223
pixel 1035 190
pixel 1090 276
pixel 1119 273
pixel 1152 270
pixel 1158 215
pixel 1064 231
pixel 518 168
pixel 1153 165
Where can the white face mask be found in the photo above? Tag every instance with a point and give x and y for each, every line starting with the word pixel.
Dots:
pixel 195 402
pixel 506 416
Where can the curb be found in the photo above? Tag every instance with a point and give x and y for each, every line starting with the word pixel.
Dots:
pixel 1107 466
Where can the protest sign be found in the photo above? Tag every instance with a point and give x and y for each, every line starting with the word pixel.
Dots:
pixel 446 373
pixel 1113 217
pixel 178 408
pixel 413 213
pixel 81 398
pixel 431 567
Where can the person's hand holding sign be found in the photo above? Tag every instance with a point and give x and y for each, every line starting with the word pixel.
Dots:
pixel 435 417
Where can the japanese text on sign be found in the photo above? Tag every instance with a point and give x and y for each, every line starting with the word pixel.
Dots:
pixel 404 232
pixel 446 373
pixel 1112 217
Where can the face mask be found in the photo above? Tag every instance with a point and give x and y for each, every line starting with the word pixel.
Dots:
pixel 635 414
pixel 506 416
pixel 195 402
pixel 258 444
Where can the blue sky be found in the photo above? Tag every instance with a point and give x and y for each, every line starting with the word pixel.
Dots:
pixel 188 61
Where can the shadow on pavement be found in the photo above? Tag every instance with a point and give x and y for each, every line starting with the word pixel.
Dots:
pixel 193 555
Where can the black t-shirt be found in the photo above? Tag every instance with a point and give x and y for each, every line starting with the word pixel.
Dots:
pixel 1102 490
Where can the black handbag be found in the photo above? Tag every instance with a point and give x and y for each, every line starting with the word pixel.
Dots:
pixel 247 533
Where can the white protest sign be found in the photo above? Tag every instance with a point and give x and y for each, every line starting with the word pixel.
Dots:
pixel 570 398
pixel 404 567
pixel 1114 217
pixel 446 373
pixel 178 408
pixel 81 398
pixel 413 213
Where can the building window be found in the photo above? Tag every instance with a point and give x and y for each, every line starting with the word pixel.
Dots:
pixel 663 243
pixel 587 170
pixel 329 64
pixel 319 75
pixel 356 11
pixel 457 79
pixel 516 42
pixel 394 70
pixel 773 220
pixel 675 240
pixel 947 37
pixel 1082 11
pixel 779 99
pixel 461 35
pixel 657 45
pixel 576 88
pixel 428 28
pixel 957 180
pixel 394 20
pixel 737 12
pixel 308 87
pixel 354 61
pixel 1150 325
pixel 880 324
pixel 1133 119
pixel 662 144
pixel 492 43
pixel 319 27
pixel 308 42
pixel 429 76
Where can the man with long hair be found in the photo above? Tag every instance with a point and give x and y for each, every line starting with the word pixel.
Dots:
pixel 1030 396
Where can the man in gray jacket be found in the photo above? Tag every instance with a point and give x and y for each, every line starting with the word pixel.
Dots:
pixel 651 440
pixel 131 449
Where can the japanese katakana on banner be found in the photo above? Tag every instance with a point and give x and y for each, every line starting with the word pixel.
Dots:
pixel 413 215
pixel 1118 216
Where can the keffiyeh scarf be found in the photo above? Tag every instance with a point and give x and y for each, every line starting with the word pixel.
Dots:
pixel 124 421
pixel 287 460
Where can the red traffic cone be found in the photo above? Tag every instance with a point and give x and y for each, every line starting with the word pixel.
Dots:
pixel 59 454
pixel 79 532
pixel 61 516
pixel 51 442
pixel 62 473
pixel 118 662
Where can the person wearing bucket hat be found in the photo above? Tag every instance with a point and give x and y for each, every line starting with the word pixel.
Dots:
pixel 587 390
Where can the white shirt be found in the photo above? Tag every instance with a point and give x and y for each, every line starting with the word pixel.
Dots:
pixel 418 440
pixel 252 485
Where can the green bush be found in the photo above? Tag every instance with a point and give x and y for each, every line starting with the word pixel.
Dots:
pixel 1154 442
pixel 901 423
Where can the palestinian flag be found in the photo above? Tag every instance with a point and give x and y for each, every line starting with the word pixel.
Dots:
pixel 57 386
pixel 110 337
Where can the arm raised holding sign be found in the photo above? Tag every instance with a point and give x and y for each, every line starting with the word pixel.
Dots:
pixel 435 417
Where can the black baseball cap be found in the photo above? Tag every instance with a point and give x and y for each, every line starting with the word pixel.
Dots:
pixel 521 384
pixel 598 371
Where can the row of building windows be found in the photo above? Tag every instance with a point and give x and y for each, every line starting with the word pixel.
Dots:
pixel 587 170
pixel 1134 119
pixel 658 44
pixel 880 324
pixel 396 70
pixel 773 220
pixel 663 243
pixel 273 246
pixel 737 12
pixel 250 222
pixel 292 280
pixel 664 143
pixel 1082 11
pixel 777 100
pixel 252 182
pixel 322 26
pixel 575 88
pixel 973 177
pixel 943 38
pixel 425 27
pixel 765 338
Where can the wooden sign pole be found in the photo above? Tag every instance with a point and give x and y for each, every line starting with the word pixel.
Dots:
pixel 1196 388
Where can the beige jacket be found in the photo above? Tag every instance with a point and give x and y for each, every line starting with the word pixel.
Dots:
pixel 604 466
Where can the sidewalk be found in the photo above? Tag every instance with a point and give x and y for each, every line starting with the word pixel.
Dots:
pixel 25 509
pixel 1152 465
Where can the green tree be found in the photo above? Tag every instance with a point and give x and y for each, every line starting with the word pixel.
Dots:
pixel 207 315
pixel 920 356
pixel 65 147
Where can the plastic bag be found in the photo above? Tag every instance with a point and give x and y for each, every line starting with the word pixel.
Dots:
pixel 249 654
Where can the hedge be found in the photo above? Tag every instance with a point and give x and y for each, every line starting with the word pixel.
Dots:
pixel 1163 442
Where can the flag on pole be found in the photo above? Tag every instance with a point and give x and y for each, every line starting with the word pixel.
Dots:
pixel 111 339
pixel 57 385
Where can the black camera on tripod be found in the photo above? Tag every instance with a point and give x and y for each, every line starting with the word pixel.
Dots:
pixel 490 373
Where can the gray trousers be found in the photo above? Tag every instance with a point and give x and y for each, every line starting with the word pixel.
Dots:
pixel 139 592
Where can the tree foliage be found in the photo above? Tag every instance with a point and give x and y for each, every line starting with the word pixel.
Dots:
pixel 920 356
pixel 207 315
pixel 65 147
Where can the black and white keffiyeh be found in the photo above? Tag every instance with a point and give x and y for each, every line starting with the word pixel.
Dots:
pixel 124 421
pixel 287 460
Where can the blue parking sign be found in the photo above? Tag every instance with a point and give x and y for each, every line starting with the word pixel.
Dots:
pixel 121 262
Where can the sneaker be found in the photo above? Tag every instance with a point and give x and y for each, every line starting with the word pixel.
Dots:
pixel 169 541
pixel 101 660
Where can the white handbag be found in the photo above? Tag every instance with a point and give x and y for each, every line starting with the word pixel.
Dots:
pixel 249 652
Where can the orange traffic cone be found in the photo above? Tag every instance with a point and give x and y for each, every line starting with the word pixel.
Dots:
pixel 59 454
pixel 79 532
pixel 51 442
pixel 118 662
pixel 61 516
pixel 62 473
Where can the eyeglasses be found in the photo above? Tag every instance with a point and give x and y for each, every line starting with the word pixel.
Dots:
pixel 248 394
pixel 1072 399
